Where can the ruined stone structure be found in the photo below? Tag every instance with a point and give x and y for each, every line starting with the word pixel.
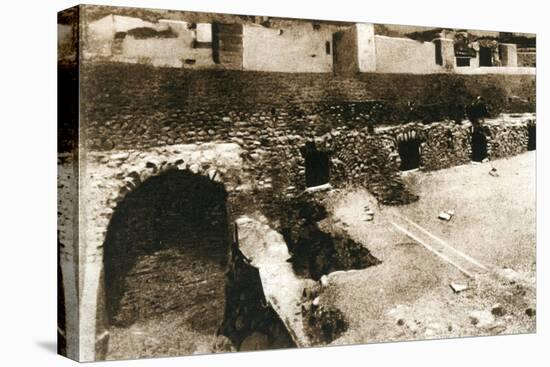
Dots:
pixel 153 146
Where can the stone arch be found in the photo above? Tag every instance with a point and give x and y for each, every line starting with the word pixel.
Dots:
pixel 110 177
pixel 164 257
pixel 409 147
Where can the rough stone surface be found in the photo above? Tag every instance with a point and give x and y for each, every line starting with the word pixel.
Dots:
pixel 250 320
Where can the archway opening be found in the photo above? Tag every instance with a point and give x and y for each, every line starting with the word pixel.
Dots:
pixel 485 56
pixel 165 254
pixel 532 137
pixel 479 146
pixel 317 166
pixel 409 152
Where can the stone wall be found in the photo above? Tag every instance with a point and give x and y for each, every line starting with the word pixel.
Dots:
pixel 67 243
pixel 271 116
pixel 527 57
pixel 508 135
pixel 180 107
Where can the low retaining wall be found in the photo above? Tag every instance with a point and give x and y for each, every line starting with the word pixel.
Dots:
pixel 447 144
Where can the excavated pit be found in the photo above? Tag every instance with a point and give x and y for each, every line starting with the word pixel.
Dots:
pixel 322 323
pixel 316 251
pixel 250 322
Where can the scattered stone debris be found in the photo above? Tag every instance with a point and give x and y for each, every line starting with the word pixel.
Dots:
pixel 485 160
pixel 324 187
pixel 444 216
pixel 498 329
pixel 510 275
pixel 498 310
pixel 531 312
pixel 482 319
pixel 310 292
pixel 429 333
pixel 322 323
pixel 493 172
pixel 222 344
pixel 315 302
pixel 325 324
pixel 413 325
pixel 369 214
pixel 458 287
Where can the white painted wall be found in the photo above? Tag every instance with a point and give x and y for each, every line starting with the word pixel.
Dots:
pixel 366 48
pixel 401 55
pixel 299 48
pixel 170 52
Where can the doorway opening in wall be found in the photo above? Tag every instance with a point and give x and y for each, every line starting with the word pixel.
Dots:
pixel 479 146
pixel 409 152
pixel 165 254
pixel 532 137
pixel 438 55
pixel 317 166
pixel 462 61
pixel 485 56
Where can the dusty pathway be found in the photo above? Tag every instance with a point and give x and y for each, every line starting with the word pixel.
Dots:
pixel 408 296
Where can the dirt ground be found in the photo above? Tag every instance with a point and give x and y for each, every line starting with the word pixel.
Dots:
pixel 408 296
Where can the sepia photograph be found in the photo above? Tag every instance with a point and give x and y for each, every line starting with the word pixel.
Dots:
pixel 232 183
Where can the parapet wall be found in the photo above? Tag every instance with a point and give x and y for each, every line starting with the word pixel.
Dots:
pixel 402 55
pixel 299 48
